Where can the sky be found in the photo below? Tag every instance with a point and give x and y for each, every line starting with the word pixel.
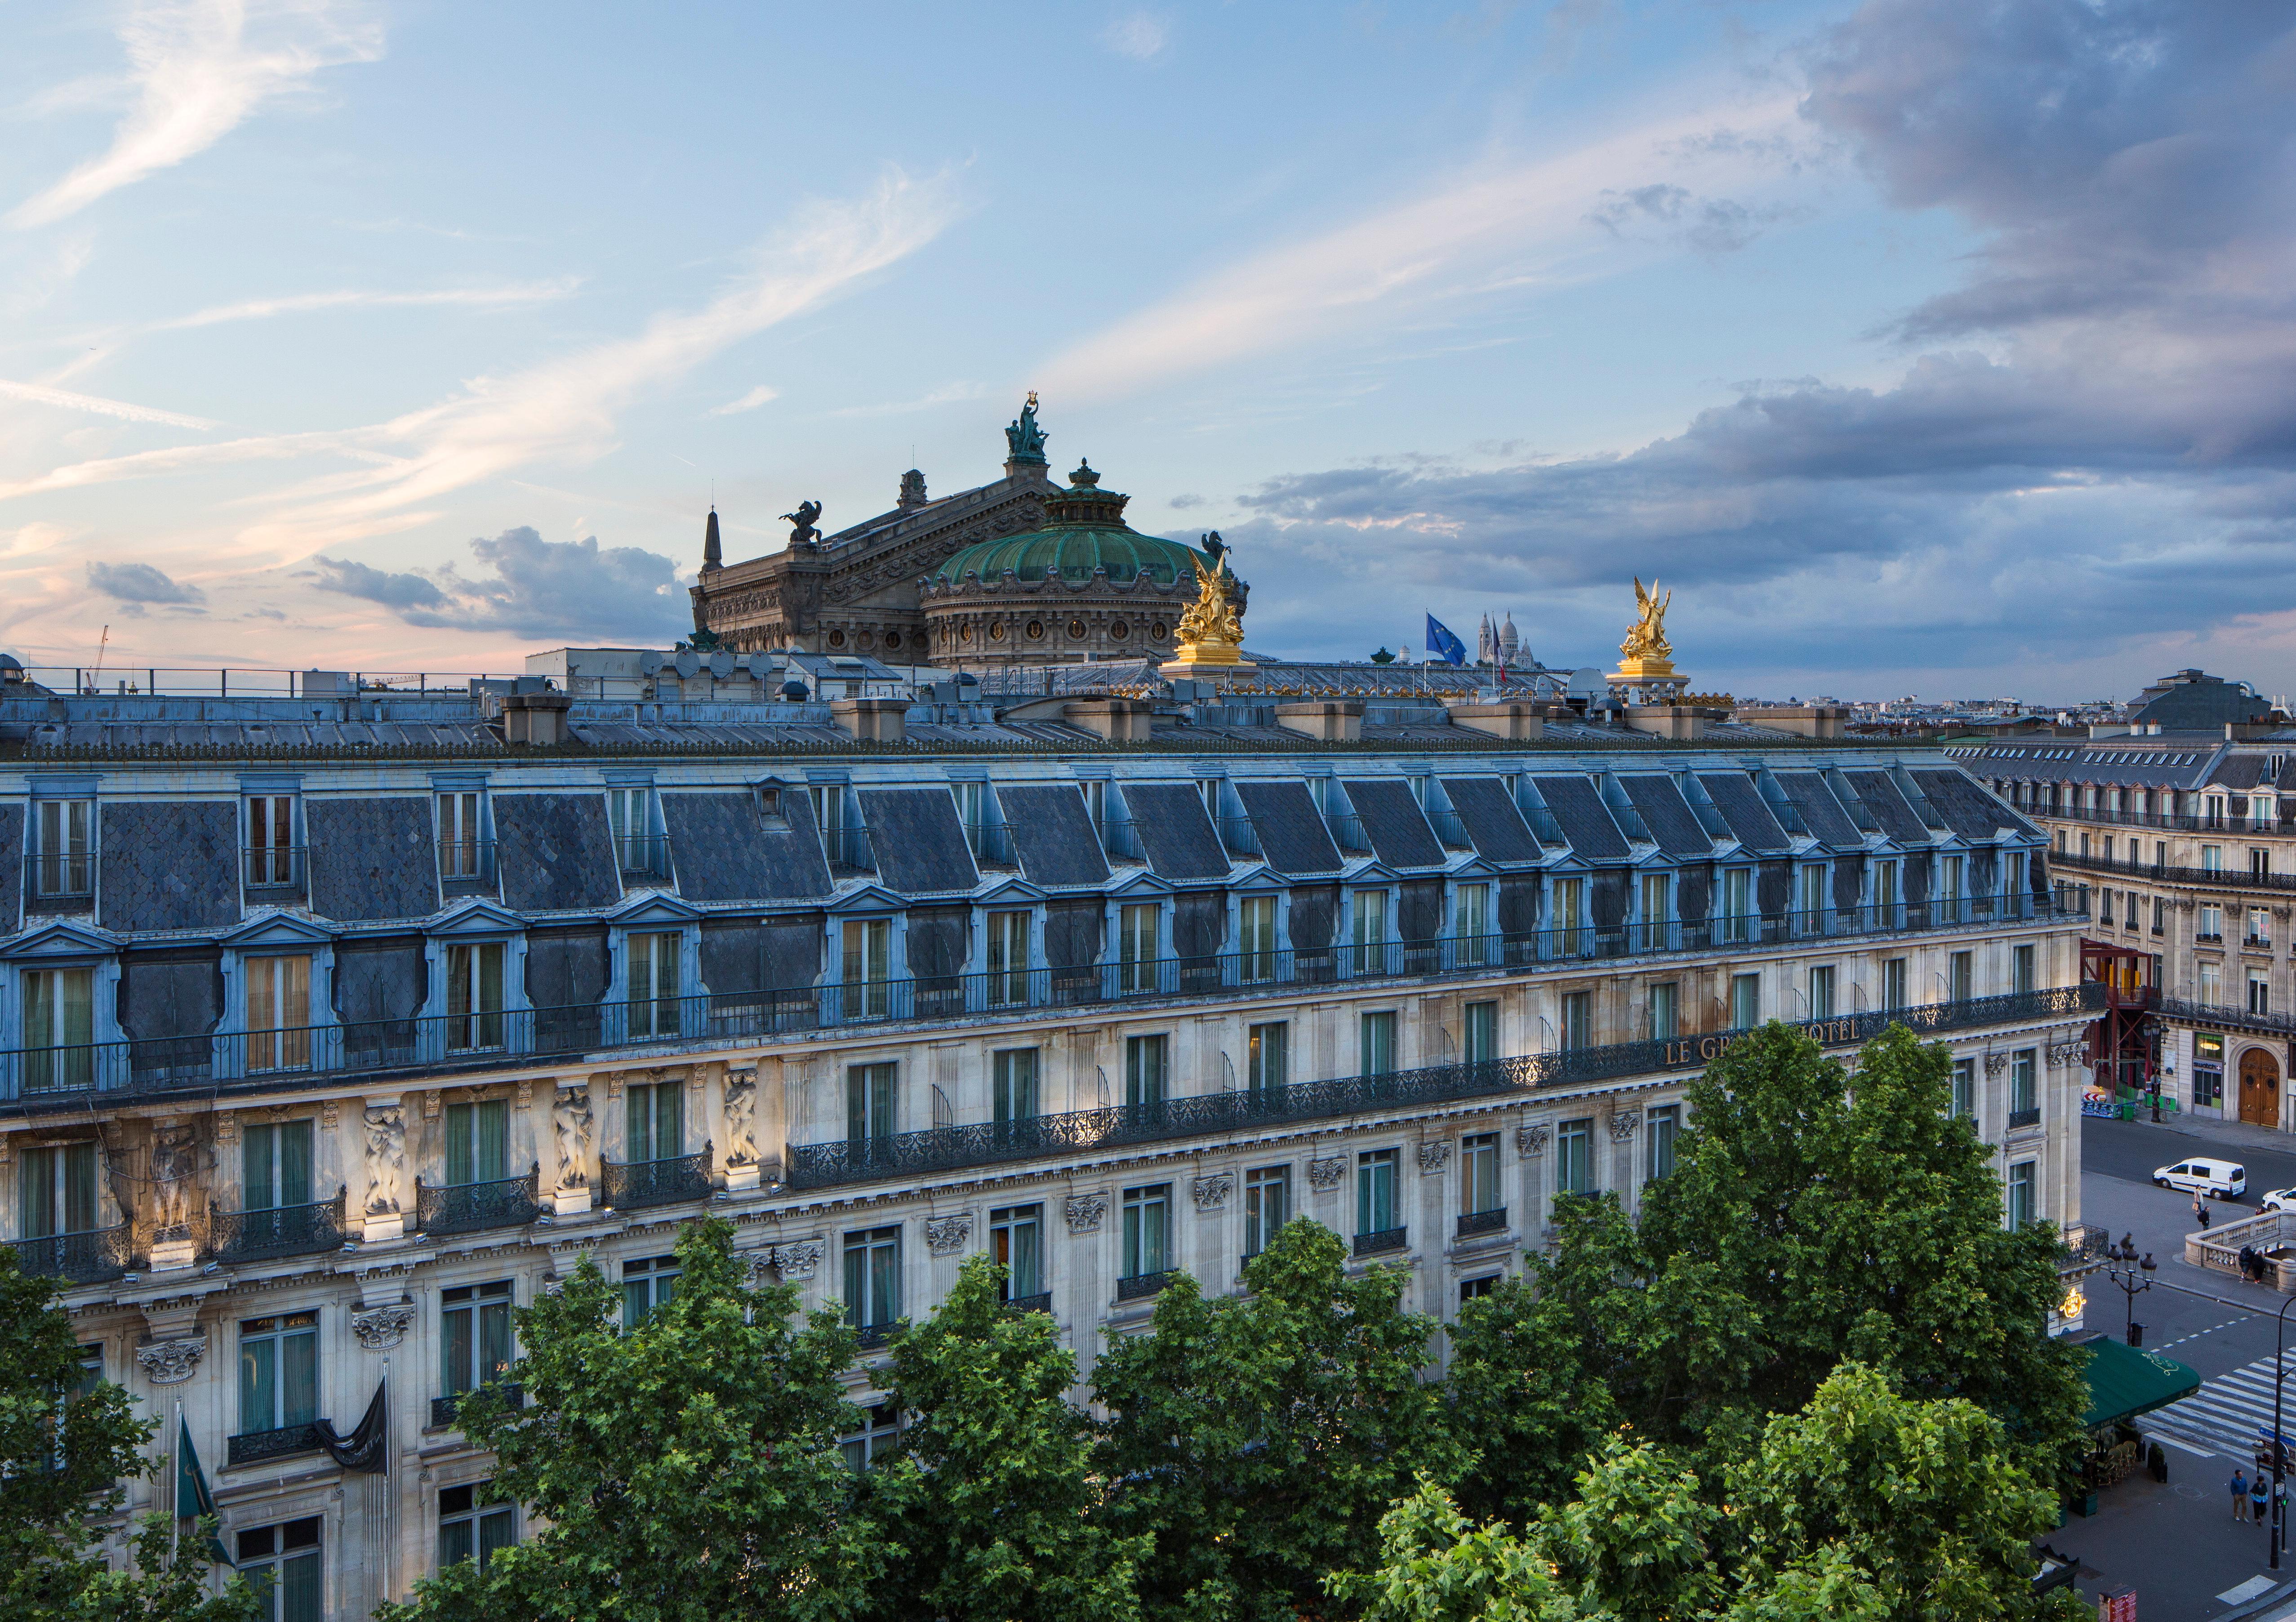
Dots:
pixel 1935 347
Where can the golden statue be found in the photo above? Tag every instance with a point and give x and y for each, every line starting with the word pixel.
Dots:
pixel 1211 629
pixel 1647 638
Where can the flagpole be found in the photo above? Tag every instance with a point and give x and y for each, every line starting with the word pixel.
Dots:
pixel 175 1484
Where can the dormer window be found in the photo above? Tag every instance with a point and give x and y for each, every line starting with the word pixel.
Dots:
pixel 629 813
pixel 461 837
pixel 769 803
pixel 270 840
pixel 59 1028
pixel 61 847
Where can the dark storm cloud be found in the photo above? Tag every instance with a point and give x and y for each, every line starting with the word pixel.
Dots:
pixel 561 590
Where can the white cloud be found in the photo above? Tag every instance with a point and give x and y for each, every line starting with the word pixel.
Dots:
pixel 197 75
pixel 1141 36
pixel 751 401
pixel 1518 225
pixel 924 401
pixel 122 409
pixel 296 303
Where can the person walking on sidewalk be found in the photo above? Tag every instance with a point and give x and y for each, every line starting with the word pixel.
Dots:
pixel 2239 1494
pixel 2200 1211
pixel 2259 1491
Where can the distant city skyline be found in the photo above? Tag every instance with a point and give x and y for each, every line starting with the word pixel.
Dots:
pixel 1920 347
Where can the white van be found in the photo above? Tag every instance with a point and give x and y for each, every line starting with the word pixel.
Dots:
pixel 2220 1178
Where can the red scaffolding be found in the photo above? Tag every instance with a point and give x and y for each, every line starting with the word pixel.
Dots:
pixel 2123 1043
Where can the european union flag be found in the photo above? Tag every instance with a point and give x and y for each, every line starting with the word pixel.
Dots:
pixel 1442 642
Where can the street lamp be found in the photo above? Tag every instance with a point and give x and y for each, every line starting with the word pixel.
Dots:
pixel 2132 1278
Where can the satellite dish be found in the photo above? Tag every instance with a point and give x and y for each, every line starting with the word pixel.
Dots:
pixel 689 662
pixel 649 663
pixel 1588 684
pixel 721 664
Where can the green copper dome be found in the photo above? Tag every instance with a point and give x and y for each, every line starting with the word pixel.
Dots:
pixel 1087 531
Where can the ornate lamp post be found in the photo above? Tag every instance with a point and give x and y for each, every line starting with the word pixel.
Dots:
pixel 2132 1278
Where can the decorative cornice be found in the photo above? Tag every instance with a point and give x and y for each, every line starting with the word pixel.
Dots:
pixel 1210 1191
pixel 380 1328
pixel 1084 1212
pixel 1327 1173
pixel 166 1363
pixel 1434 1157
pixel 947 1235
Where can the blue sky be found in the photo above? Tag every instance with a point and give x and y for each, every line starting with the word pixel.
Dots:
pixel 1936 346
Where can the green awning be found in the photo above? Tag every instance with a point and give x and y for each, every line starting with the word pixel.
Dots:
pixel 2124 1382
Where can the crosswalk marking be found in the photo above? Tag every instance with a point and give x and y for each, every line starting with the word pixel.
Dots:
pixel 2224 1416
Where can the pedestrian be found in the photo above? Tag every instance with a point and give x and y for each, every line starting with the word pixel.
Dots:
pixel 2200 1211
pixel 2239 1494
pixel 2258 1492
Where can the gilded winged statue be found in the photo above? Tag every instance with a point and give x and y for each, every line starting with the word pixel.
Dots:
pixel 1213 621
pixel 1647 638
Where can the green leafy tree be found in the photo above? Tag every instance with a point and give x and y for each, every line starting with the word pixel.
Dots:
pixel 65 1457
pixel 1255 1442
pixel 685 1469
pixel 991 1496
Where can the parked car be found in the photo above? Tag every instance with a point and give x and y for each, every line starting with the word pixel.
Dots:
pixel 2219 1178
pixel 2278 1199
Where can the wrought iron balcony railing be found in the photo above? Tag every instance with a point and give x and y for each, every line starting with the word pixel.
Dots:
pixel 875 1335
pixel 272 872
pixel 59 879
pixel 2024 1118
pixel 1042 1301
pixel 1383 1240
pixel 1140 1286
pixel 2225 1015
pixel 287 1230
pixel 493 1039
pixel 989 1142
pixel 638 1183
pixel 259 1446
pixel 1473 1223
pixel 89 1258
pixel 2162 873
pixel 468 1207
pixel 2165 822
pixel 643 856
pixel 466 865
pixel 444 1410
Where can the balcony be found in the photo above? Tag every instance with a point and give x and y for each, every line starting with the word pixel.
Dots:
pixel 1042 1301
pixel 2164 872
pixel 262 1447
pixel 470 1207
pixel 2024 1118
pixel 1382 1242
pixel 60 881
pixel 1474 1223
pixel 272 874
pixel 1095 1131
pixel 1140 1286
pixel 443 1409
pixel 2222 1014
pixel 92 1258
pixel 874 1336
pixel 287 1230
pixel 2167 822
pixel 644 855
pixel 467 867
pixel 645 1183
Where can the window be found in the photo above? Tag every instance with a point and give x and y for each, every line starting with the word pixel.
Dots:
pixel 654 1122
pixel 868 1102
pixel 2023 1100
pixel 459 842
pixel 880 1427
pixel 1821 992
pixel 1886 893
pixel 1574 1157
pixel 1949 887
pixel 2130 917
pixel 275 1165
pixel 474 997
pixel 2212 984
pixel 873 1278
pixel 2212 923
pixel 279 1014
pixel 473 1336
pixel 972 811
pixel 282 1564
pixel 2259 863
pixel 2259 992
pixel 1479 1174
pixel 1136 947
pixel 1474 926
pixel 59 1028
pixel 1662 1012
pixel 2207 1068
pixel 1267 1055
pixel 1012 1086
pixel 1095 802
pixel 1266 1206
pixel 478 1142
pixel 1745 1001
pixel 648 1281
pixel 1658 910
pixel 2159 915
pixel 655 983
pixel 270 839
pixel 278 1372
pixel 2023 1186
pixel 2259 925
pixel 868 967
pixel 829 817
pixel 1811 908
pixel 2022 977
pixel 474 1523
pixel 1375 1043
pixel 1665 1123
pixel 1959 969
pixel 2212 859
pixel 1144 1069
pixel 628 814
pixel 1375 1191
pixel 1475 1289
pixel 56 1190
pixel 1370 913
pixel 1893 983
pixel 60 832
pixel 1481 1043
pixel 1577 1019
pixel 1007 942
pixel 1737 905
pixel 1016 1238
pixel 1569 909
pixel 1255 920
pixel 1147 1230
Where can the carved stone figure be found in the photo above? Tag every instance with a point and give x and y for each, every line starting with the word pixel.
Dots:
pixel 947 1235
pixel 799 1257
pixel 802 532
pixel 166 1363
pixel 1646 639
pixel 1024 440
pixel 1531 1141
pixel 174 1169
pixel 386 1159
pixel 569 1119
pixel 381 1328
pixel 742 1117
pixel 1623 1125
pixel 1326 1174
pixel 1084 1212
pixel 1211 1191
pixel 1433 1158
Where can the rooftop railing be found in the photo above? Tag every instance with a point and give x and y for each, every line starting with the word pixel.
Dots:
pixel 2225 1015
pixel 500 1038
pixel 939 1148
pixel 2167 822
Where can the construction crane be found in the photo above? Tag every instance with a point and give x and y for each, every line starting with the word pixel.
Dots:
pixel 95 682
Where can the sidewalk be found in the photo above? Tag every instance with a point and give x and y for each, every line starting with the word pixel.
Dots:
pixel 2239 1134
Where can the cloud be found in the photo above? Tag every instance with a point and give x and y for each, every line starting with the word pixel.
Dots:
pixel 567 590
pixel 297 304
pixel 1141 36
pixel 135 586
pixel 1520 223
pixel 762 395
pixel 1707 225
pixel 40 395
pixel 197 75
pixel 947 396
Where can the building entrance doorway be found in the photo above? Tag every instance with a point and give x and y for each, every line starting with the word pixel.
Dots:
pixel 2259 1087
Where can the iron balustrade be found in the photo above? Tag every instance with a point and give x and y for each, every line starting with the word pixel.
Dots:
pixel 872 1336
pixel 2162 873
pixel 643 856
pixel 500 1038
pixel 60 881
pixel 466 865
pixel 1346 832
pixel 631 1186
pixel 467 1208
pixel 259 1446
pixel 2082 1243
pixel 989 1142
pixel 445 1410
pixel 1140 1286
pixel 272 867
pixel 90 1258
pixel 1473 1223
pixel 1119 839
pixel 1382 1242
pixel 287 1230
pixel 2164 821
pixel 2217 1013
pixel 2024 1118
pixel 1042 1301
pixel 848 846
pixel 991 843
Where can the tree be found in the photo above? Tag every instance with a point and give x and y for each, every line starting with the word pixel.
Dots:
pixel 991 1495
pixel 684 1469
pixel 65 1453
pixel 1255 1442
